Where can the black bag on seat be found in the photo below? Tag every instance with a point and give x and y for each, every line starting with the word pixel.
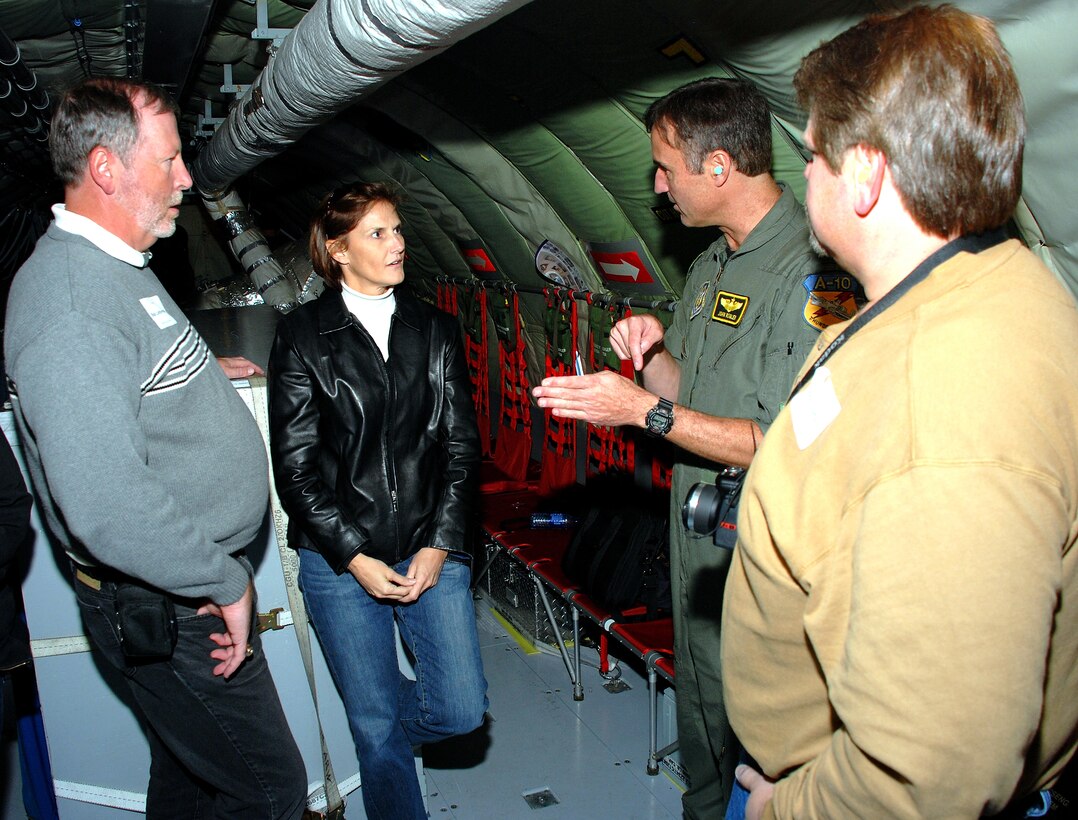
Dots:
pixel 620 553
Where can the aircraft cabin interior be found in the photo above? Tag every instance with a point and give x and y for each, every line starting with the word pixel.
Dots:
pixel 514 132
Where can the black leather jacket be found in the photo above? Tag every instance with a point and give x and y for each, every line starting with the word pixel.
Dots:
pixel 372 456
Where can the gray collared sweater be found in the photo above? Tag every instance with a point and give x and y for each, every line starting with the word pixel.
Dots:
pixel 144 457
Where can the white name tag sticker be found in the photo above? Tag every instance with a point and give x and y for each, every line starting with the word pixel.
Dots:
pixel 814 408
pixel 157 311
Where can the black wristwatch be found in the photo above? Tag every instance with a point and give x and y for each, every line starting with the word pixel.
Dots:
pixel 660 418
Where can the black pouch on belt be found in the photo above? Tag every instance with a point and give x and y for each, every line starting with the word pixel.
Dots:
pixel 146 620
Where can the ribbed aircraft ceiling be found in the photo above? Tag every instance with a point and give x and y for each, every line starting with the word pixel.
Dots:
pixel 531 129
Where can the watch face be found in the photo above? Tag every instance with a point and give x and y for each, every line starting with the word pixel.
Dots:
pixel 660 418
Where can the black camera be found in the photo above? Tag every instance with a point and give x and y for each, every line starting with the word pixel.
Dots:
pixel 711 509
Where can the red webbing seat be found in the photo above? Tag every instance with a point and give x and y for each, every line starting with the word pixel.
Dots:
pixel 646 637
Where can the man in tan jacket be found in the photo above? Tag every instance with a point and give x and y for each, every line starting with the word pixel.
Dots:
pixel 900 628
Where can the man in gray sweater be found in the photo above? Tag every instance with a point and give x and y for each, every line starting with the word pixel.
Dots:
pixel 149 467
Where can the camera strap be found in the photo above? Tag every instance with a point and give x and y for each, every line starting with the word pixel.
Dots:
pixel 970 243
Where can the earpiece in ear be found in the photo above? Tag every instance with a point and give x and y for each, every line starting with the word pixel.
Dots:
pixel 718 170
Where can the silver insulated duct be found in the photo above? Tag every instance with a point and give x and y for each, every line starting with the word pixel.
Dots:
pixel 250 249
pixel 339 51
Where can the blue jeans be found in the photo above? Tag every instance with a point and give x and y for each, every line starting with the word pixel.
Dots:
pixel 739 795
pixel 217 748
pixel 739 801
pixel 388 712
pixel 1039 804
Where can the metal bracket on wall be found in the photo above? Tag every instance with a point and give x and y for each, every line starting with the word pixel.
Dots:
pixel 228 86
pixel 207 123
pixel 262 27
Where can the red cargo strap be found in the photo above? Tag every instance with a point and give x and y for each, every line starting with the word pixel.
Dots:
pixel 609 449
pixel 475 352
pixel 559 451
pixel 446 297
pixel 513 446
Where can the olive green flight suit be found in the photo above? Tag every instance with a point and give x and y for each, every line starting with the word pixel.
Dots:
pixel 740 334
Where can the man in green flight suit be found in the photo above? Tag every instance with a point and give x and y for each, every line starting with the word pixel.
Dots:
pixel 750 312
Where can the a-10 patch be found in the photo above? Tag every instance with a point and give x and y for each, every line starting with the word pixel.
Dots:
pixel 729 308
pixel 832 298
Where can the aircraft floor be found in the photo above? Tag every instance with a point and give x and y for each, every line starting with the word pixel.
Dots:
pixel 538 746
pixel 590 755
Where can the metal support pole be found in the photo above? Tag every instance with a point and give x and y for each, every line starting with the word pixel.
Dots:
pixel 578 684
pixel 653 720
pixel 557 631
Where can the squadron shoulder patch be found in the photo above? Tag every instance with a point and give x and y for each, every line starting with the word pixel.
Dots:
pixel 729 308
pixel 831 299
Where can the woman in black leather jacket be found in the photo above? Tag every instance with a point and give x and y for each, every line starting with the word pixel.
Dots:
pixel 375 451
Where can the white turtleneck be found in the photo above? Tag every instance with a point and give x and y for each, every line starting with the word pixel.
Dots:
pixel 373 312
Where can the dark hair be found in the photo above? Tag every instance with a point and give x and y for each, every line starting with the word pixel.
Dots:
pixel 338 213
pixel 933 90
pixel 100 111
pixel 713 113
